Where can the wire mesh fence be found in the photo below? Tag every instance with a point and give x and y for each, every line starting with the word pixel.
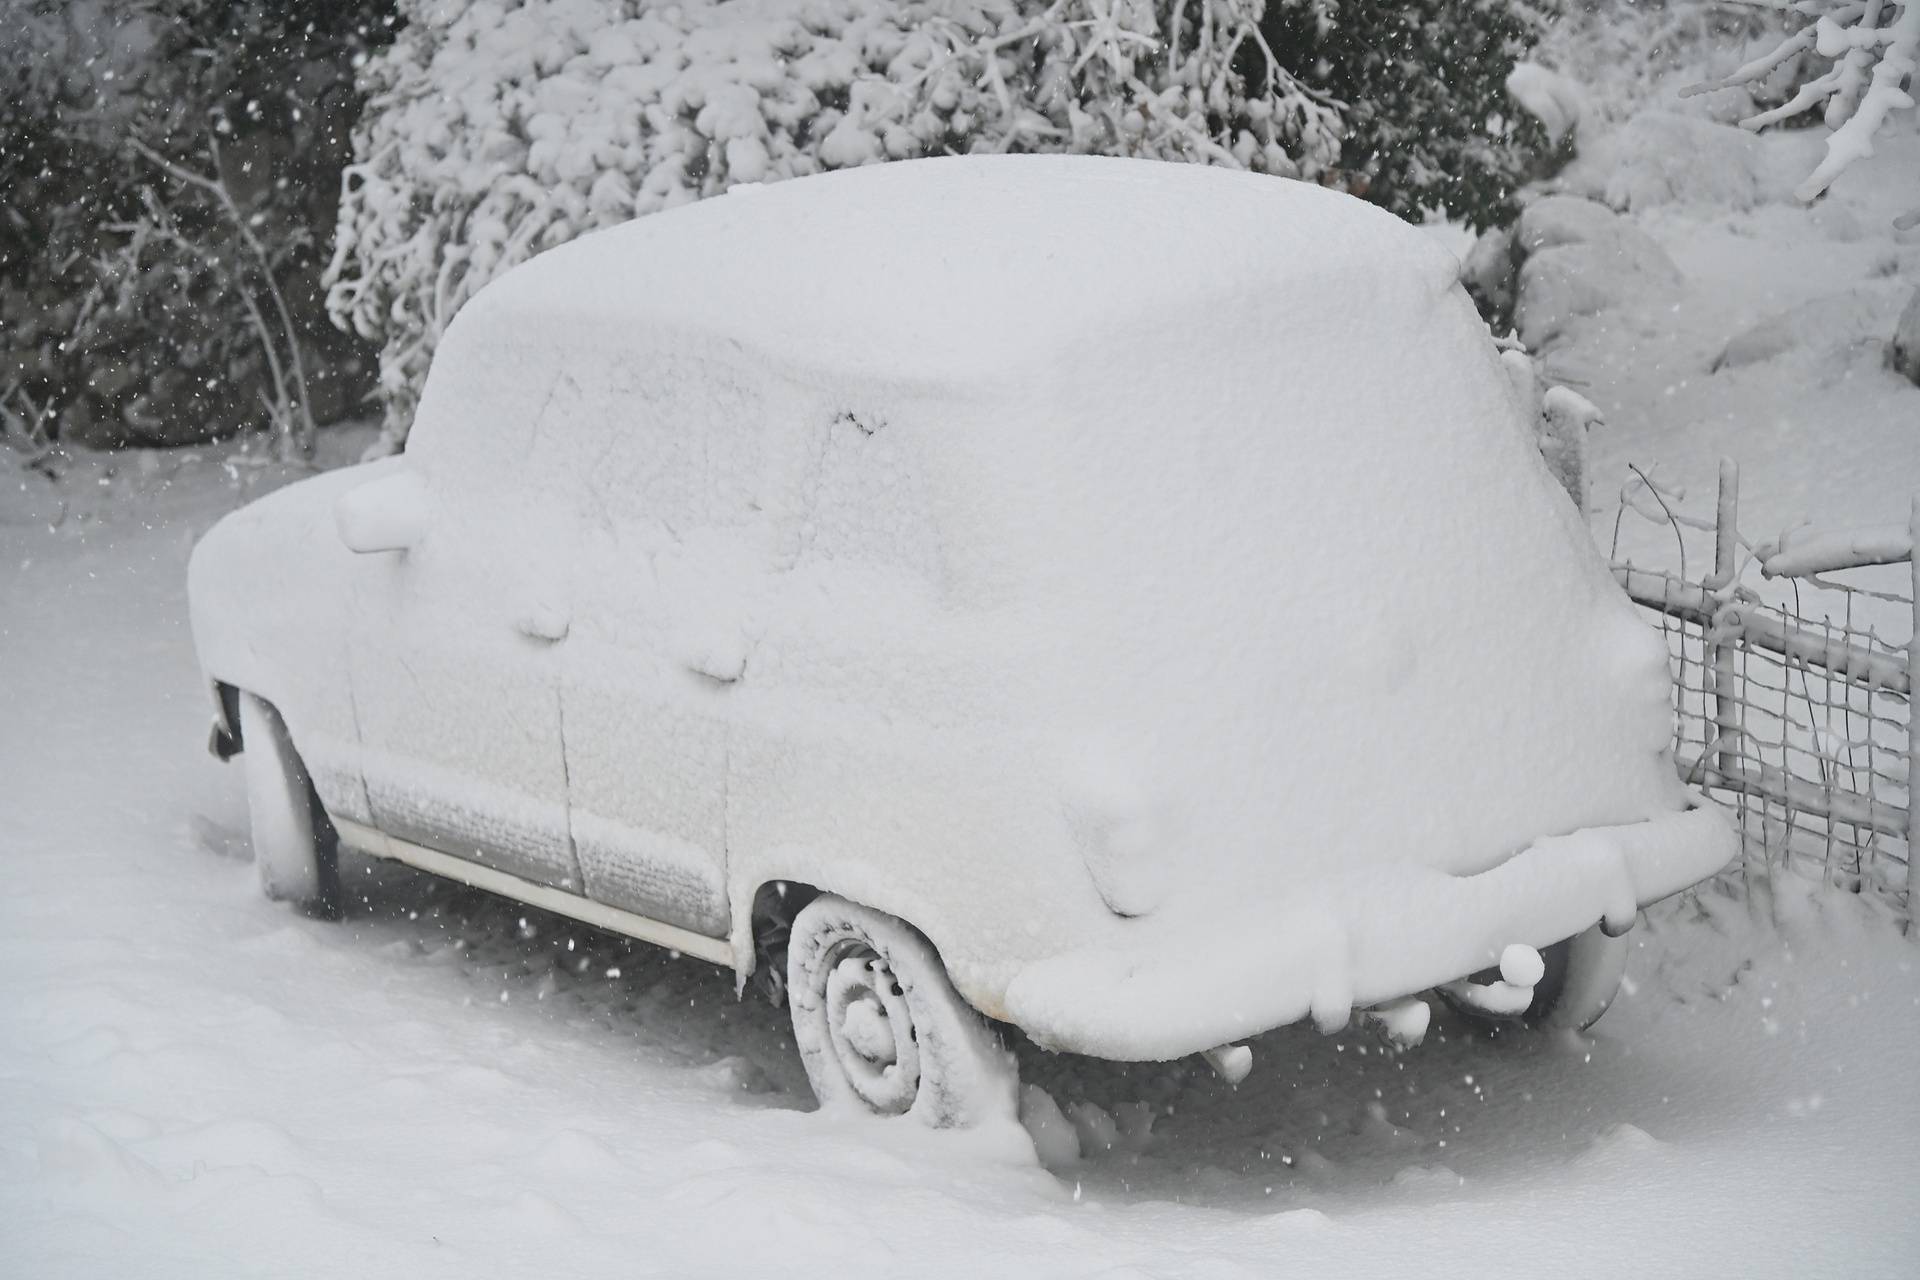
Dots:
pixel 1793 694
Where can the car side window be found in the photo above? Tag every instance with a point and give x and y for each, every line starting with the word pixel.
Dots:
pixel 866 497
pixel 670 443
pixel 477 420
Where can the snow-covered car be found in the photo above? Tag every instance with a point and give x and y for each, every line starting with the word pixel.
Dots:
pixel 1117 599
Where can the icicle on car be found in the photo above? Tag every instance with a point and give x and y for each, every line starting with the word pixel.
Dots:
pixel 1122 600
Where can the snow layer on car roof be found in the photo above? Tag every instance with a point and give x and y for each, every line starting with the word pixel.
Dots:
pixel 956 268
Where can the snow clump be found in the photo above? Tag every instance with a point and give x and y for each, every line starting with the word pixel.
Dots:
pixel 1826 326
pixel 1557 101
pixel 1660 157
pixel 1579 258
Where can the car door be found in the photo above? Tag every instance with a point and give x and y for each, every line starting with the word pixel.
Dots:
pixel 455 666
pixel 645 683
pixel 674 545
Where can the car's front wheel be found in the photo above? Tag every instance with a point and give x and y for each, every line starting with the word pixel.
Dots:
pixel 294 846
pixel 881 1029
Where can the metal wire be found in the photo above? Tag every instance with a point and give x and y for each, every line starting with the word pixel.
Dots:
pixel 1805 742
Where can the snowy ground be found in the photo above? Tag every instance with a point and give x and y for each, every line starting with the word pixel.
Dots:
pixel 194 1082
pixel 1824 432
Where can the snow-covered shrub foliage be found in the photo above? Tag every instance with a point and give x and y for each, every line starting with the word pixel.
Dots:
pixel 1577 258
pixel 499 128
pixel 69 83
pixel 1564 259
pixel 1429 123
pixel 1553 98
pixel 126 294
pixel 1665 157
pixel 1874 50
pixel 1629 55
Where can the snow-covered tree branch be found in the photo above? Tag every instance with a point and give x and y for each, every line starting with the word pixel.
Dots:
pixel 1874 47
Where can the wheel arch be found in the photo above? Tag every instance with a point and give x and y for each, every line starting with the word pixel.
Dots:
pixel 763 916
pixel 225 741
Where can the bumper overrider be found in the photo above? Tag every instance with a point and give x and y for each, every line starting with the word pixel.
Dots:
pixel 1377 935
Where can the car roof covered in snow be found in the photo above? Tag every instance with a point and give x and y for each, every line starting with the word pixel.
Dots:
pixel 952 269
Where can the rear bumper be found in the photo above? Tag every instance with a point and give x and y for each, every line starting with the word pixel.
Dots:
pixel 1180 986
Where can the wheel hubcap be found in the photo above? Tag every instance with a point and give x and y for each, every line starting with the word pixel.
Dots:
pixel 871 1028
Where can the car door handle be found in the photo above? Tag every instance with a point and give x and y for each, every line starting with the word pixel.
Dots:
pixel 715 653
pixel 720 672
pixel 543 623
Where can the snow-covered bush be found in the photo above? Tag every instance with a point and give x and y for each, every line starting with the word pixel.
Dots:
pixel 498 128
pixel 126 293
pixel 1575 258
pixel 1663 157
pixel 1423 84
pixel 1564 258
pixel 1553 98
pixel 70 82
pixel 1630 54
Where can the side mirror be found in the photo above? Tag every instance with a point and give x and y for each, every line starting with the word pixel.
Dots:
pixel 387 514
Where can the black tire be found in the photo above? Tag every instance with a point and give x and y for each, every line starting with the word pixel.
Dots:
pixel 295 848
pixel 881 1029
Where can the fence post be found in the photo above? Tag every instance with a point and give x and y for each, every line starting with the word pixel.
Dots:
pixel 1913 723
pixel 1726 533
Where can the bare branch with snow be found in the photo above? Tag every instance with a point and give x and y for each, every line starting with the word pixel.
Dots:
pixel 1875 48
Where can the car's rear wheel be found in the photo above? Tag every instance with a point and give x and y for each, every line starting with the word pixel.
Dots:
pixel 881 1029
pixel 295 849
pixel 1582 976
